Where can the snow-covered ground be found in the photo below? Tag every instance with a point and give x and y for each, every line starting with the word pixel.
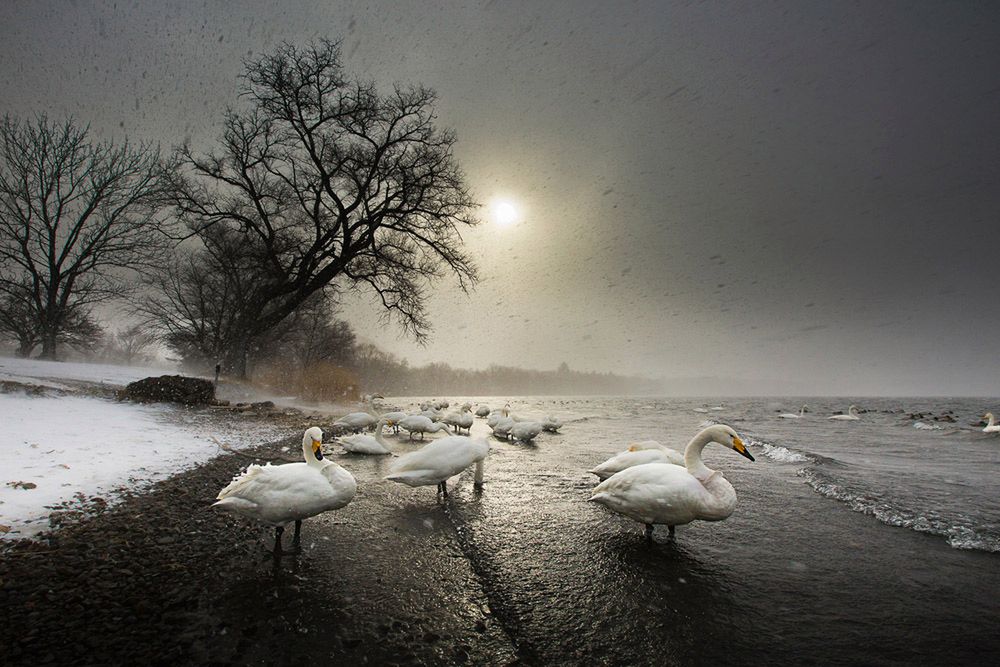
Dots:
pixel 21 369
pixel 65 445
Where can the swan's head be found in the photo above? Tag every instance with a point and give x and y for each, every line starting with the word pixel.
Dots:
pixel 727 437
pixel 313 437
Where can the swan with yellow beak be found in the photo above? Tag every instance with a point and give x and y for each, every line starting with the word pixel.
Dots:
pixel 673 495
pixel 279 495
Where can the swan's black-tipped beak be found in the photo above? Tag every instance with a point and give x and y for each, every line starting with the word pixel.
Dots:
pixel 742 449
pixel 318 449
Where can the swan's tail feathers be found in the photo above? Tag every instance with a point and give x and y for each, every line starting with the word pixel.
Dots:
pixel 601 474
pixel 235 504
pixel 241 480
pixel 599 498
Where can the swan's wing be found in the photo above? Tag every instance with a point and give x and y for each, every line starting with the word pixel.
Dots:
pixel 629 459
pixel 653 493
pixel 445 457
pixel 362 444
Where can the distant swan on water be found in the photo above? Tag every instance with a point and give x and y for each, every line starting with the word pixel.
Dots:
pixel 664 493
pixel 792 415
pixel 992 426
pixel 851 416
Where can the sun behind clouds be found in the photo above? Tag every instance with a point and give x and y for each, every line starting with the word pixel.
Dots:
pixel 504 212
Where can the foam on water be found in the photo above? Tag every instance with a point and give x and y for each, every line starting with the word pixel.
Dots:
pixel 959 531
pixel 779 453
pixel 926 427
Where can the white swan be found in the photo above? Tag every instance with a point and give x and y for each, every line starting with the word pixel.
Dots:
pixel 851 416
pixel 503 426
pixel 367 444
pixel 669 494
pixel 647 451
pixel 497 415
pixel 483 411
pixel 278 495
pixel 792 415
pixel 393 418
pixel 440 460
pixel 551 424
pixel 524 431
pixel 460 419
pixel 992 426
pixel 421 424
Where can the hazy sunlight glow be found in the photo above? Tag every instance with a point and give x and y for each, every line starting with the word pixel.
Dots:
pixel 504 212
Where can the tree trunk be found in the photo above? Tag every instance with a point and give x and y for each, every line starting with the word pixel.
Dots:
pixel 236 358
pixel 48 346
pixel 25 347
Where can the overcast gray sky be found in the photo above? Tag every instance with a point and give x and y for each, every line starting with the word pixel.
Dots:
pixel 795 197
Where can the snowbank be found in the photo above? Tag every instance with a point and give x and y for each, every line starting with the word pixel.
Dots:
pixel 54 447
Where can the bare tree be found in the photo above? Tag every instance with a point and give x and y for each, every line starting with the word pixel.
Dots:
pixel 328 178
pixel 73 216
pixel 130 344
pixel 199 303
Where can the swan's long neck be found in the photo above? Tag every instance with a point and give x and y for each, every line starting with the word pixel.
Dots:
pixel 692 456
pixel 853 410
pixel 992 419
pixel 802 410
pixel 378 434
pixel 307 452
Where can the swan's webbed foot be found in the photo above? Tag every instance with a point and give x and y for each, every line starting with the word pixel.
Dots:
pixel 649 533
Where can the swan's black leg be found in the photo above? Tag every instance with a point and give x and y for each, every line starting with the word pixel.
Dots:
pixel 298 529
pixel 671 531
pixel 444 488
pixel 278 530
pixel 649 533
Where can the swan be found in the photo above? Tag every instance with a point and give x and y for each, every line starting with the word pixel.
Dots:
pixel 647 451
pixel 701 410
pixel 551 424
pixel 670 494
pixel 851 416
pixel 367 444
pixel 461 419
pixel 393 418
pixel 421 424
pixel 992 426
pixel 524 431
pixel 436 462
pixel 278 495
pixel 792 415
pixel 496 416
pixel 503 426
pixel 483 411
pixel 359 421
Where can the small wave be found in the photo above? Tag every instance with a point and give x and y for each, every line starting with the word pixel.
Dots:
pixel 958 535
pixel 926 427
pixel 779 453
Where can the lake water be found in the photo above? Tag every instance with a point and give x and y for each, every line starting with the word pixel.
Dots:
pixel 853 542
pixel 868 542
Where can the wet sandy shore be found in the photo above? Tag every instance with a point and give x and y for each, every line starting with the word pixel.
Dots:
pixel 162 579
